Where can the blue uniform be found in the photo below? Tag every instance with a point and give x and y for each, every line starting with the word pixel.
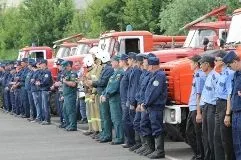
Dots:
pixel 223 142
pixel 208 93
pixel 224 84
pixel 45 84
pixel 137 118
pixel 7 100
pixel 145 124
pixel 30 95
pixel 18 98
pixel 208 114
pixel 198 82
pixel 36 92
pixel 133 85
pixel 236 119
pixel 24 93
pixel 155 101
pixel 128 125
pixel 12 95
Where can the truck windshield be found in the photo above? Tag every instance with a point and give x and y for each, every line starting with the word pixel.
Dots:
pixel 63 52
pixel 82 49
pixel 195 38
pixel 234 34
pixel 104 45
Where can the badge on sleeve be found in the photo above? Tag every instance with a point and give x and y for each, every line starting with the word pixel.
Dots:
pixel 46 75
pixel 155 83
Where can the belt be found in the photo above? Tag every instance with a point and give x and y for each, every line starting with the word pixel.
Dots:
pixel 220 99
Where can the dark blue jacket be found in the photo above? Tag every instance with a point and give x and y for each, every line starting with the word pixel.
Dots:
pixel 236 99
pixel 28 79
pixel 156 91
pixel 35 77
pixel 124 86
pixel 140 96
pixel 46 80
pixel 133 85
pixel 105 74
pixel 23 76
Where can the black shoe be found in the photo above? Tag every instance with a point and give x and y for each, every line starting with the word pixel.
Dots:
pixel 126 145
pixel 136 146
pixel 62 126
pixel 115 143
pixel 105 140
pixel 71 129
pixel 87 133
pixel 83 121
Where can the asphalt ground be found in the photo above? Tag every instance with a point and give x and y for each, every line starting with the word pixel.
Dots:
pixel 23 140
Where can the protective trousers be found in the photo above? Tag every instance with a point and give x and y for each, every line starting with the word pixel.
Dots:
pixel 37 98
pixel 12 98
pixel 128 126
pixel 7 101
pixel 156 119
pixel 46 105
pixel 236 130
pixel 25 102
pixel 194 135
pixel 116 118
pixel 59 104
pixel 18 101
pixel 32 105
pixel 96 113
pixel 70 111
pixel 145 124
pixel 223 143
pixel 106 119
pixel 1 97
pixel 89 111
pixel 208 124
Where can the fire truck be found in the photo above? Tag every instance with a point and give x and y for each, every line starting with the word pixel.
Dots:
pixel 179 75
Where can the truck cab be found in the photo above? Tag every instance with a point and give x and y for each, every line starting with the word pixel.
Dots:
pixel 35 52
pixel 136 41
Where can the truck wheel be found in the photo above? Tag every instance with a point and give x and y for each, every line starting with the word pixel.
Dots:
pixel 174 133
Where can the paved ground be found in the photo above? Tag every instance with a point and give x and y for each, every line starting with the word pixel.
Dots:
pixel 22 140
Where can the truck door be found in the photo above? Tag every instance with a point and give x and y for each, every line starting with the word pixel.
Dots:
pixel 131 44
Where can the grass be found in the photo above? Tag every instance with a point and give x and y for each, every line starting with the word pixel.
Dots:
pixel 10 54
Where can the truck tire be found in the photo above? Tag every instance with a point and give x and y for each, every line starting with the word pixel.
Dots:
pixel 174 132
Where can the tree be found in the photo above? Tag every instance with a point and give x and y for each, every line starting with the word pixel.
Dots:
pixel 180 12
pixel 46 20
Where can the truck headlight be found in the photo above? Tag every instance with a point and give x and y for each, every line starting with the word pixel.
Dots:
pixel 173 115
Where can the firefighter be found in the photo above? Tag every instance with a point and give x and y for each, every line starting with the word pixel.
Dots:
pixel 145 127
pixel 194 129
pixel 223 132
pixel 112 94
pixel 36 92
pixel 7 101
pixel 100 85
pixel 24 92
pixel 127 125
pixel 58 86
pixel 70 96
pixel 2 70
pixel 154 104
pixel 208 110
pixel 28 88
pixel 89 63
pixel 233 61
pixel 132 90
pixel 45 83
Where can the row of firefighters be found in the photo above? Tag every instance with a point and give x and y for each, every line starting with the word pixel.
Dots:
pixel 128 92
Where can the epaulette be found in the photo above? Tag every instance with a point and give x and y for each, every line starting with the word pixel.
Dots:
pixel 197 75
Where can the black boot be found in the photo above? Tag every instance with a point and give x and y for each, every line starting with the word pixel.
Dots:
pixel 159 152
pixel 150 146
pixel 138 142
pixel 143 146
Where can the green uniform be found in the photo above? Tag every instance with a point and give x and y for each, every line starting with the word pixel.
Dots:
pixel 70 96
pixel 112 93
